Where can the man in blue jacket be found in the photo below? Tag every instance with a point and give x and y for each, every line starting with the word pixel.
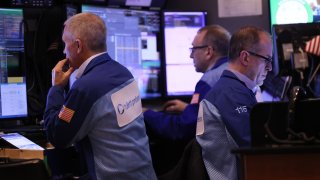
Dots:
pixel 209 51
pixel 102 113
pixel 223 119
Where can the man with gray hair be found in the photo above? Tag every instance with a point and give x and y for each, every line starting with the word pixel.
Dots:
pixel 102 112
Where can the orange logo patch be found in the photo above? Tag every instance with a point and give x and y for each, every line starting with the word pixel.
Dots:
pixel 66 114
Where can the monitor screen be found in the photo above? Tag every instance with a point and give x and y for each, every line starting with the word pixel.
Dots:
pixel 13 92
pixel 294 11
pixel 133 41
pixel 138 3
pixel 179 30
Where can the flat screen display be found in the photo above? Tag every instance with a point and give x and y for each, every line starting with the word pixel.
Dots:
pixel 20 141
pixel 294 11
pixel 133 41
pixel 13 91
pixel 179 30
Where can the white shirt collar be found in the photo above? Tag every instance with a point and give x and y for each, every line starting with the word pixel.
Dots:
pixel 85 64
pixel 248 82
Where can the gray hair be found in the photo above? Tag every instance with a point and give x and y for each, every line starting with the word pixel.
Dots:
pixel 90 28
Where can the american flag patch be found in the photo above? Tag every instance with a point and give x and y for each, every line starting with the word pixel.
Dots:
pixel 66 114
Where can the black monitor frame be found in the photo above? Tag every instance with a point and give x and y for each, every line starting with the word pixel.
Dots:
pixel 289 41
pixel 269 123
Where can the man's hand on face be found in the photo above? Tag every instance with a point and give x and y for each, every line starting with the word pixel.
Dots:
pixel 61 73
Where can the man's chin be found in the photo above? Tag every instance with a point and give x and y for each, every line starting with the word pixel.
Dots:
pixel 260 83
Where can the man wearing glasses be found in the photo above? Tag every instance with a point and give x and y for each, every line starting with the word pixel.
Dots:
pixel 209 54
pixel 223 118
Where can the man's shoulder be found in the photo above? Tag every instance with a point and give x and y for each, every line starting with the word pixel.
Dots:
pixel 213 75
pixel 224 85
pixel 229 87
pixel 228 80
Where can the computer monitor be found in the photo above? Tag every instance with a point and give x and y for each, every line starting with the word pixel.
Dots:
pixel 13 90
pixel 289 42
pixel 133 41
pixel 294 11
pixel 179 30
pixel 290 56
pixel 269 123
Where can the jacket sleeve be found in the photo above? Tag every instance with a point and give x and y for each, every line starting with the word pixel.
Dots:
pixel 63 116
pixel 173 126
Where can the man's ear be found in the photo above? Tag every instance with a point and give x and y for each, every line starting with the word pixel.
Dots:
pixel 210 51
pixel 244 57
pixel 79 45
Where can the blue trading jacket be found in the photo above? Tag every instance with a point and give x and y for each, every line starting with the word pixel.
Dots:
pixel 183 126
pixel 223 124
pixel 112 149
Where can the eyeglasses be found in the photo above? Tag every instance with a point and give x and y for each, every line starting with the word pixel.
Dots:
pixel 197 47
pixel 266 59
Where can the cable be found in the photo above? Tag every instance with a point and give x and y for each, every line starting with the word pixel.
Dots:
pixel 293 137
